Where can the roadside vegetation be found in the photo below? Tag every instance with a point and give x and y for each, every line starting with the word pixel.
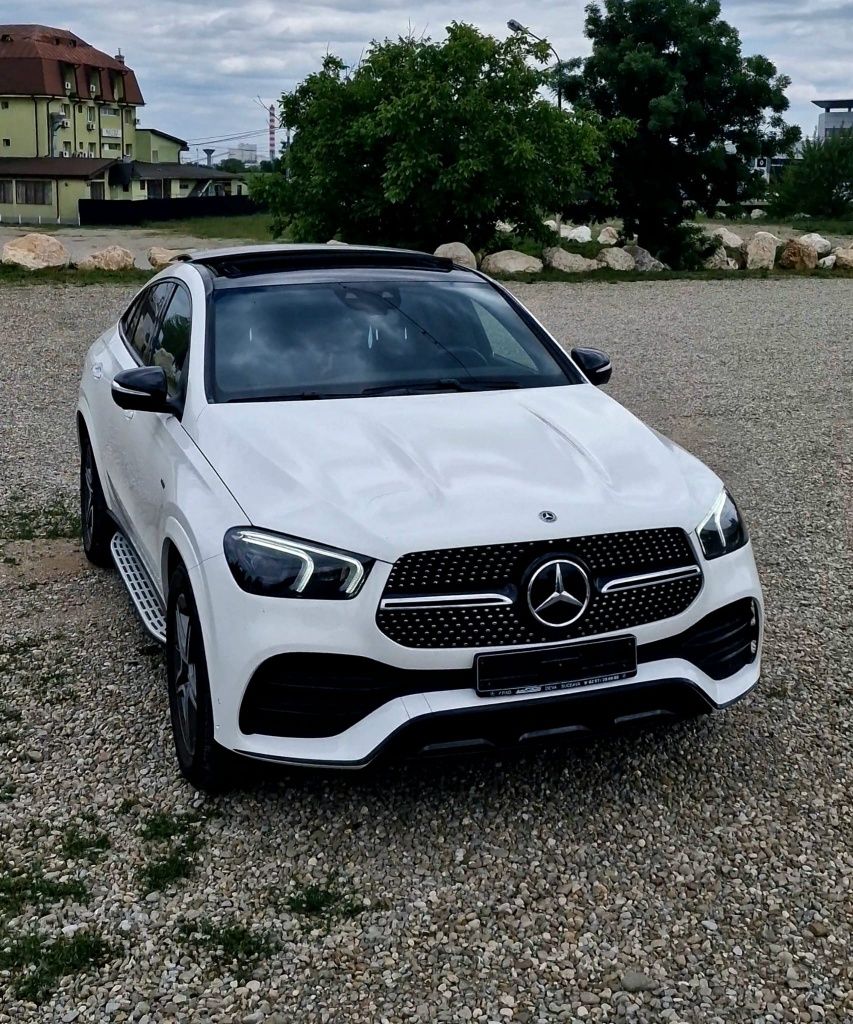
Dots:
pixel 254 227
pixel 13 274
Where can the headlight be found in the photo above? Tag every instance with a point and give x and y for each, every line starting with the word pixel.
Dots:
pixel 277 566
pixel 722 530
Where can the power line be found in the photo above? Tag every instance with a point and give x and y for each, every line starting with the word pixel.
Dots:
pixel 229 138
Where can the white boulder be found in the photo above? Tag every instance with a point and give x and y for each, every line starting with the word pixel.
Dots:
pixel 617 259
pixel 822 246
pixel 728 239
pixel 335 241
pixel 510 261
pixel 35 252
pixel 114 257
pixel 608 236
pixel 550 224
pixel 581 235
pixel 504 228
pixel 160 257
pixel 828 262
pixel 568 262
pixel 761 251
pixel 459 253
pixel 758 214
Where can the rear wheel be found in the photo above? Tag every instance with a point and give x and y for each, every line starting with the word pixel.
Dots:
pixel 202 761
pixel 96 526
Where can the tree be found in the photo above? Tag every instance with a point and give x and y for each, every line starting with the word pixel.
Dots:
pixel 426 142
pixel 232 165
pixel 700 112
pixel 821 183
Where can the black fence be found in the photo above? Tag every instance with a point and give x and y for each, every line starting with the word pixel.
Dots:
pixel 132 213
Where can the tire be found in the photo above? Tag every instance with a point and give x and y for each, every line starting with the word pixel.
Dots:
pixel 96 526
pixel 202 762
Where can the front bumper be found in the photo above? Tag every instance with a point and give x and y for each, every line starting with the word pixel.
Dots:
pixel 242 632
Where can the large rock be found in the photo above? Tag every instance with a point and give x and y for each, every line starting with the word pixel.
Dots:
pixel 510 261
pixel 581 235
pixel 617 259
pixel 608 236
pixel 645 262
pixel 568 262
pixel 828 262
pixel 720 260
pixel 35 252
pixel 797 256
pixel 505 228
pixel 160 257
pixel 843 259
pixel 732 243
pixel 114 257
pixel 761 251
pixel 821 245
pixel 758 215
pixel 550 224
pixel 459 253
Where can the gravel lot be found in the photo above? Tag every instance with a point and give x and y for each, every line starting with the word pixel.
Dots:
pixel 702 873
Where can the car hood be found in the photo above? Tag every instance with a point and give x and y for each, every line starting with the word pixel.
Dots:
pixel 388 475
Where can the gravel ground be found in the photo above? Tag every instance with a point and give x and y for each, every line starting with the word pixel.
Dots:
pixel 702 873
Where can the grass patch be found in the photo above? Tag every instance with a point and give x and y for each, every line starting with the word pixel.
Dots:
pixel 78 844
pixel 162 827
pixel 30 888
pixel 56 519
pixel 550 276
pixel 256 227
pixel 161 872
pixel 324 901
pixel 36 965
pixel 181 832
pixel 12 274
pixel 232 945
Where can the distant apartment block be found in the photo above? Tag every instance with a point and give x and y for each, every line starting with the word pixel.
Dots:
pixel 69 130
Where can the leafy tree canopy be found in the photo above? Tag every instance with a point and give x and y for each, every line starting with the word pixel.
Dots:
pixel 700 110
pixel 821 183
pixel 427 142
pixel 232 165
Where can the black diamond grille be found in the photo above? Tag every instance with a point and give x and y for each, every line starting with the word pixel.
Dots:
pixel 503 567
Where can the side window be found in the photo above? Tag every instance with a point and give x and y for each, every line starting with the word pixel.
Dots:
pixel 172 345
pixel 501 340
pixel 151 304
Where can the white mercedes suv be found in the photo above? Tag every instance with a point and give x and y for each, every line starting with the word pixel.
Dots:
pixel 367 502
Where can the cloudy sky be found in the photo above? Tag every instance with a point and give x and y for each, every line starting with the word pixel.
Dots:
pixel 201 63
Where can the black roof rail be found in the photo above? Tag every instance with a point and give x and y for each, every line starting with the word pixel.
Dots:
pixel 251 263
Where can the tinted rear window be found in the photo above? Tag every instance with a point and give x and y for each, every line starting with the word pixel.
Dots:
pixel 347 339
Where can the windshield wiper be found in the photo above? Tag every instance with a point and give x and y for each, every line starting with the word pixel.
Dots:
pixel 445 384
pixel 298 396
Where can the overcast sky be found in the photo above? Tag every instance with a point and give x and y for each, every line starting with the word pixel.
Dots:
pixel 201 63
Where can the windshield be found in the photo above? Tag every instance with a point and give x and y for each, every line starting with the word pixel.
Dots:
pixel 358 339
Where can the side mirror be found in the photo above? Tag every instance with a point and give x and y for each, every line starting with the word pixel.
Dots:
pixel 595 364
pixel 143 388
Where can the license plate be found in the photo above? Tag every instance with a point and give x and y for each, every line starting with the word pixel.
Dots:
pixel 556 668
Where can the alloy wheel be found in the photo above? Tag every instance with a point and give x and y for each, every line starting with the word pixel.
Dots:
pixel 186 687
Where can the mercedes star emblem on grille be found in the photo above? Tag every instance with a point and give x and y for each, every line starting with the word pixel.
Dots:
pixel 558 593
pixel 548 517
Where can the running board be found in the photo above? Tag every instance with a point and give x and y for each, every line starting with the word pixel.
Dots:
pixel 142 591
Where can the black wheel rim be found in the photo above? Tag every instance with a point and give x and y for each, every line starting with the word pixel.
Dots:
pixel 186 686
pixel 87 497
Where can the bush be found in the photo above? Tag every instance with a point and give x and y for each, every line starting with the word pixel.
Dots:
pixel 427 142
pixel 821 183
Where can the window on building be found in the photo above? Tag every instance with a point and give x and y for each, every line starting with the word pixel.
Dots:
pixel 34 193
pixel 92 149
pixel 6 190
pixel 4 105
pixel 96 190
pixel 111 111
pixel 7 143
pixel 128 149
pixel 79 108
pixel 143 185
pixel 155 155
pixel 66 110
pixel 80 145
pixel 66 147
pixel 128 115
